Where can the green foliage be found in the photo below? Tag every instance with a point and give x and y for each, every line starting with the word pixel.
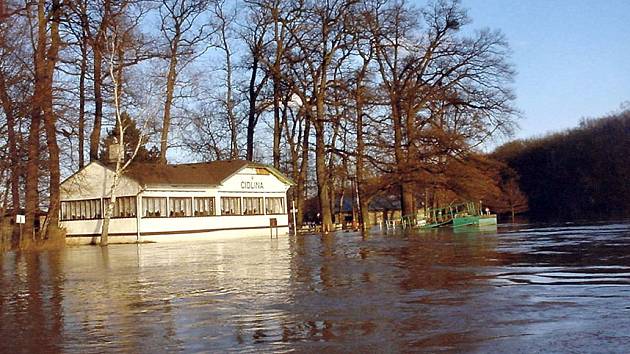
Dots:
pixel 132 136
pixel 583 173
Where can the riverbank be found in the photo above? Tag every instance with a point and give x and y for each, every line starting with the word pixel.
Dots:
pixel 10 239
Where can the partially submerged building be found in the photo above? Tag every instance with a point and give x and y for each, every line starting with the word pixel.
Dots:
pixel 174 202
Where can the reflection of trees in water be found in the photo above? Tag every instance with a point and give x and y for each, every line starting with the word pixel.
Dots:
pixel 442 260
pixel 340 288
pixel 31 318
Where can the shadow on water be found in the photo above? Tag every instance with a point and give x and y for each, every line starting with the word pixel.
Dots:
pixel 516 288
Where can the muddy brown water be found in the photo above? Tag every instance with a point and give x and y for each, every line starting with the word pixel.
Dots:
pixel 519 288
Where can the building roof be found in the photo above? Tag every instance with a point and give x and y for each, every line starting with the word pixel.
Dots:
pixel 205 173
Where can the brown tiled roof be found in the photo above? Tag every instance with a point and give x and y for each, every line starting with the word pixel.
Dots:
pixel 206 173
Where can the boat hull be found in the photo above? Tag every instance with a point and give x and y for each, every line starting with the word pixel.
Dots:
pixel 475 220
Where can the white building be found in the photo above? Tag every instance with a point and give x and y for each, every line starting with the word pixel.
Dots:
pixel 175 202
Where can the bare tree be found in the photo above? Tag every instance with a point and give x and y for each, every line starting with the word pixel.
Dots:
pixel 122 161
pixel 254 36
pixel 225 17
pixel 97 42
pixel 319 37
pixel 428 73
pixel 14 91
pixel 183 35
pixel 46 47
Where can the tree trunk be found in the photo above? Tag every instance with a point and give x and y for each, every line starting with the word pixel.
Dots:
pixel 322 178
pixel 37 104
pixel 170 88
pixel 364 219
pixel 360 178
pixel 97 49
pixel 408 202
pixel 7 106
pixel 277 127
pixel 229 95
pixel 82 75
pixel 301 181
pixel 85 31
pixel 278 38
pixel 251 116
pixel 95 136
pixel 109 210
pixel 49 115
pixel 32 172
pixel 53 166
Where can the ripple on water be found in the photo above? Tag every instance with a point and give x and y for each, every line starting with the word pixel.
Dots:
pixel 517 289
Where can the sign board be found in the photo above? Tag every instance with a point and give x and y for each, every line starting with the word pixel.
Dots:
pixel 252 185
pixel 20 219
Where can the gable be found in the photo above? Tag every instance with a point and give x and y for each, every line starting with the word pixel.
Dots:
pixel 255 179
pixel 94 181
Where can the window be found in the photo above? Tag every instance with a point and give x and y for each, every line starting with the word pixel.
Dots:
pixel 180 207
pixel 252 206
pixel 230 206
pixel 124 207
pixel 204 206
pixel 81 209
pixel 275 205
pixel 154 207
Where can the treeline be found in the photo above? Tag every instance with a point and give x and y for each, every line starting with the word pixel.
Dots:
pixel 582 173
pixel 392 97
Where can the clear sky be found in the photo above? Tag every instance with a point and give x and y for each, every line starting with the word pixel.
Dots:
pixel 572 57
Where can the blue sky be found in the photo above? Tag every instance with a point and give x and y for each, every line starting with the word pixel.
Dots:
pixel 572 57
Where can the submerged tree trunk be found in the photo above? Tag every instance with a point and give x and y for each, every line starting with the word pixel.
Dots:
pixel 32 172
pixel 364 218
pixel 301 182
pixel 50 121
pixel 109 210
pixel 321 170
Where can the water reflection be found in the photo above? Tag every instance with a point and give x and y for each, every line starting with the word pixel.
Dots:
pixel 31 316
pixel 545 288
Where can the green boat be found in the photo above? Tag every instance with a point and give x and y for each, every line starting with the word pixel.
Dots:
pixel 459 215
pixel 475 220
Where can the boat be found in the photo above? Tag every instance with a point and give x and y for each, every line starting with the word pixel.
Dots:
pixel 475 220
pixel 458 215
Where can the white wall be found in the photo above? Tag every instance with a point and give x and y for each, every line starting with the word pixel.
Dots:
pixel 247 181
pixel 94 181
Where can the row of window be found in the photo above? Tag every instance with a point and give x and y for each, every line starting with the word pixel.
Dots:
pixel 157 207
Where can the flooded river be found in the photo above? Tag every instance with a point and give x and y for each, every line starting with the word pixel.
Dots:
pixel 521 289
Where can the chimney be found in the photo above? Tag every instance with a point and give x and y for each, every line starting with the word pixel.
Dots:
pixel 115 150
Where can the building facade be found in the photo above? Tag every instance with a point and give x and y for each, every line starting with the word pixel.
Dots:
pixel 175 202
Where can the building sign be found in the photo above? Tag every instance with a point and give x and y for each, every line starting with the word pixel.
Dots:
pixel 251 185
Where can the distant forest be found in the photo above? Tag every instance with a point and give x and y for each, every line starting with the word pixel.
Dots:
pixel 582 173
